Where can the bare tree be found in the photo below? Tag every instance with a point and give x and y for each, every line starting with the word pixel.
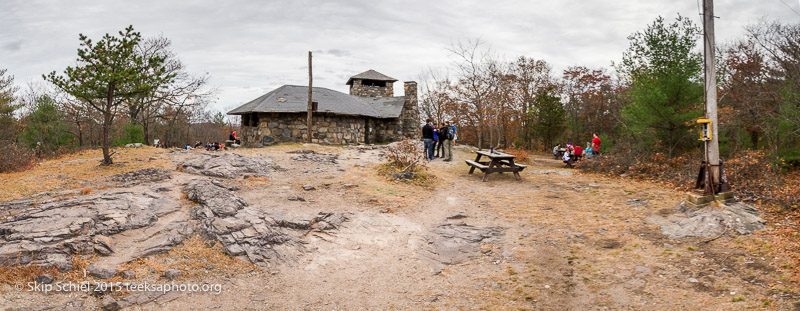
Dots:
pixel 436 96
pixel 529 76
pixel 180 98
pixel 472 64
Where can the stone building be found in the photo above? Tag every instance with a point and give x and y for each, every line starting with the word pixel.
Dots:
pixel 369 114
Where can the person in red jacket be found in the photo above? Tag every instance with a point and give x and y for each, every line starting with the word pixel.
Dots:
pixel 595 144
pixel 578 152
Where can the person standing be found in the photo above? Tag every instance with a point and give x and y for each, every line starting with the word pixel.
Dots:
pixel 455 132
pixel 427 138
pixel 588 150
pixel 439 147
pixel 448 135
pixel 595 144
pixel 436 139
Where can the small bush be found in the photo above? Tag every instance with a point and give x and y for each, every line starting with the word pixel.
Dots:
pixel 406 155
pixel 521 155
pixel 15 157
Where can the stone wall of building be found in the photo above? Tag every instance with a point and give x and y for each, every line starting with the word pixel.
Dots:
pixel 276 128
pixel 359 89
pixel 384 130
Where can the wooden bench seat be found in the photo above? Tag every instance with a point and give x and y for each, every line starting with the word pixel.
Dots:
pixel 521 166
pixel 476 164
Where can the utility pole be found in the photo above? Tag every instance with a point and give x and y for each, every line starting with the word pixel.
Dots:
pixel 712 173
pixel 711 87
pixel 310 102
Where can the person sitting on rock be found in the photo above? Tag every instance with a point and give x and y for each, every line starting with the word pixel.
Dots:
pixel 567 159
pixel 233 137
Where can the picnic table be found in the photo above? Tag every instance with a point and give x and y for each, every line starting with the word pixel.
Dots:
pixel 498 163
pixel 560 153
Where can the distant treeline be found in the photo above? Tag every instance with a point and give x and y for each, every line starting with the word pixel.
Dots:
pixel 123 89
pixel 648 104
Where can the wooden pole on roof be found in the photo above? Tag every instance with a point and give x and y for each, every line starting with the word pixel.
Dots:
pixel 310 105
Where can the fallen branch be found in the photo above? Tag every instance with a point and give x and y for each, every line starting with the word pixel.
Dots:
pixel 717 237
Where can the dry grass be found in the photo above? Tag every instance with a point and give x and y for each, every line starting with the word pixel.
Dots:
pixel 422 176
pixel 20 275
pixel 193 258
pixel 77 171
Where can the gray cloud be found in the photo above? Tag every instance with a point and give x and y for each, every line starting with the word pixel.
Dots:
pixel 252 46
pixel 13 46
pixel 334 52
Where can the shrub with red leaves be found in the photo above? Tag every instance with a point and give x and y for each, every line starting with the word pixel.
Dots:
pixel 15 157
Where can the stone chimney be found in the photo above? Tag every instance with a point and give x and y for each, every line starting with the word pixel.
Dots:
pixel 371 84
pixel 409 117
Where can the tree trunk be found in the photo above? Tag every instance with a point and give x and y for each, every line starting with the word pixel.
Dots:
pixel 80 135
pixel 754 140
pixel 146 130
pixel 106 131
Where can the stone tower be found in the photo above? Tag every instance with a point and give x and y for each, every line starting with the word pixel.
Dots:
pixel 371 84
pixel 409 117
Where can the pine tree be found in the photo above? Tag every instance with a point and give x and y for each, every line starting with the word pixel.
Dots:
pixel 8 126
pixel 550 116
pixel 46 125
pixel 666 90
pixel 109 74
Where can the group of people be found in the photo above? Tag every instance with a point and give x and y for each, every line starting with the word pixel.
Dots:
pixel 574 153
pixel 439 139
pixel 209 146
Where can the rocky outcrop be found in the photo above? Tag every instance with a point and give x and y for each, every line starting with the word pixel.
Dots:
pixel 248 232
pixel 709 221
pixel 48 232
pixel 121 225
pixel 455 242
pixel 141 176
pixel 312 156
pixel 227 165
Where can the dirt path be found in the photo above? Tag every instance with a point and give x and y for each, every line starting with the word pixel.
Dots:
pixel 569 242
pixel 566 242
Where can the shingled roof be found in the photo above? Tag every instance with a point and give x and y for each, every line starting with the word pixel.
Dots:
pixel 294 98
pixel 371 75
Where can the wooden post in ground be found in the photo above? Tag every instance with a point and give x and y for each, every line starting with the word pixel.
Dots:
pixel 711 88
pixel 310 103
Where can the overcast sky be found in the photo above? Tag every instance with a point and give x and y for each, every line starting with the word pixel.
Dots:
pixel 252 47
